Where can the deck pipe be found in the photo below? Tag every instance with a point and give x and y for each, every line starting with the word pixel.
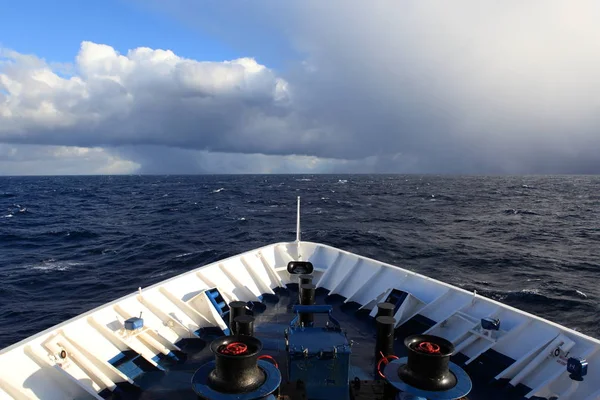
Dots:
pixel 237 373
pixel 384 343
pixel 236 309
pixel 385 310
pixel 303 280
pixel 244 325
pixel 307 298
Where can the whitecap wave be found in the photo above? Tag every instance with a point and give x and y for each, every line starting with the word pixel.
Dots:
pixel 513 211
pixel 530 291
pixel 183 255
pixel 218 190
pixel 53 265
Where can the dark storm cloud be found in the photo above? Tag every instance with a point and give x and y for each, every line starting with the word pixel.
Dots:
pixel 466 86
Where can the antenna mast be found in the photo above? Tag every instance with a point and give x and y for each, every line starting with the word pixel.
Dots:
pixel 298 222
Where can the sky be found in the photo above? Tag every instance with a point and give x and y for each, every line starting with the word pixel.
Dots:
pixel 342 86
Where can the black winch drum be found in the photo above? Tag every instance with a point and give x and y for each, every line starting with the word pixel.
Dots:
pixel 236 371
pixel 427 371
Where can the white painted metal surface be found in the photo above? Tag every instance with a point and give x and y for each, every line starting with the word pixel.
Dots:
pixel 174 309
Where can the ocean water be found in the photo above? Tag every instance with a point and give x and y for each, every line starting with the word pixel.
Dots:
pixel 69 244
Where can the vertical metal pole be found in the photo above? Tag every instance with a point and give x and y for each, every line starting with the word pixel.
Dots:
pixel 298 222
pixel 384 342
pixel 307 298
pixel 298 231
pixel 236 309
pixel 244 325
pixel 385 310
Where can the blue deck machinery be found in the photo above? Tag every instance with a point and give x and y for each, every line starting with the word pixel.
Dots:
pixel 317 359
pixel 319 356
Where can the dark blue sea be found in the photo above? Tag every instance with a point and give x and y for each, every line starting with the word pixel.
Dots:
pixel 68 244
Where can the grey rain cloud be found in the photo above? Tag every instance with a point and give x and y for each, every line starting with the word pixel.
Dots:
pixel 415 86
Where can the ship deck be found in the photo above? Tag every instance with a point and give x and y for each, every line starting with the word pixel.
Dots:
pixel 95 355
pixel 273 316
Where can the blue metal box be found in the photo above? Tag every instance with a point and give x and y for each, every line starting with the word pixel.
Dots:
pixel 134 323
pixel 320 357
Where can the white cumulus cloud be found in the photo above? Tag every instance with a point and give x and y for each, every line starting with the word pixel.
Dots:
pixel 148 97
